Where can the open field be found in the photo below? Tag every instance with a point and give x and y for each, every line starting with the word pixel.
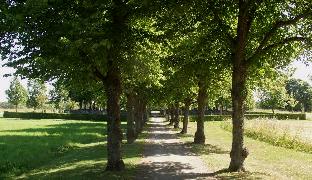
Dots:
pixel 302 129
pixel 52 149
pixel 265 161
pixel 299 129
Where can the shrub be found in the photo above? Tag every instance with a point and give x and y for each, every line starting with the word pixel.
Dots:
pixel 253 116
pixel 34 115
pixel 279 116
pixel 212 118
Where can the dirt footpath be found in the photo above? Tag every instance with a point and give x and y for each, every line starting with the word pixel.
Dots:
pixel 166 158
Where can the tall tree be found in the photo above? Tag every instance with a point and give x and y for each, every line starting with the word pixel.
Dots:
pixel 17 94
pixel 255 42
pixel 74 39
pixel 37 94
pixel 302 92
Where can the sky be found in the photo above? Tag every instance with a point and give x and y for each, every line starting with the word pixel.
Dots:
pixel 302 72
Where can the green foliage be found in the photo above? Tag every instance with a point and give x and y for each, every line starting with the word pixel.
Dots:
pixel 301 92
pixel 17 94
pixel 59 96
pixel 251 116
pixel 274 98
pixel 279 116
pixel 33 115
pixel 37 94
pixel 272 92
pixel 213 118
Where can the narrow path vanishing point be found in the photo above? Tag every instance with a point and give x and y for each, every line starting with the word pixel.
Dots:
pixel 167 158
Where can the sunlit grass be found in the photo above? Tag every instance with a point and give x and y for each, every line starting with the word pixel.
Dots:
pixel 278 133
pixel 265 161
pixel 54 149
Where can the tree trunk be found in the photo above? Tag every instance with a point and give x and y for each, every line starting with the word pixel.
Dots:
pixel 141 115
pixel 239 92
pixel 90 105
pixel 273 110
pixel 176 115
pixel 80 105
pixel 145 115
pixel 168 114
pixel 130 118
pixel 186 111
pixel 114 133
pixel 16 108
pixel 85 105
pixel 171 120
pixel 201 100
pixel 138 116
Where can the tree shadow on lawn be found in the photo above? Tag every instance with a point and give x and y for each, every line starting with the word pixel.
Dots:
pixel 61 150
pixel 224 174
pixel 179 171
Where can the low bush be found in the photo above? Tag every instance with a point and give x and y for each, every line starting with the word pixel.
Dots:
pixel 253 116
pixel 213 118
pixel 34 115
pixel 279 116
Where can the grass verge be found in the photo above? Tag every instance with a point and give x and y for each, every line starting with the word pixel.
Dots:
pixel 57 149
pixel 273 132
pixel 265 161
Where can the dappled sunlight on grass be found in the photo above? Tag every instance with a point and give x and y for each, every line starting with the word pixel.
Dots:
pixel 51 149
pixel 264 162
pixel 65 167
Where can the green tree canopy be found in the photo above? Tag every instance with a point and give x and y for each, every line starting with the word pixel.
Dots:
pixel 16 94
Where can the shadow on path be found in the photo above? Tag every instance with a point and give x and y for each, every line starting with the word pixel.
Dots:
pixel 166 157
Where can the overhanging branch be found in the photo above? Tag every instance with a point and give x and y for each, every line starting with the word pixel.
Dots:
pixel 280 43
pixel 277 25
pixel 98 74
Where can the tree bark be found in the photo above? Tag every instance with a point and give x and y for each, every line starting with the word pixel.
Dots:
pixel 80 105
pixel 130 118
pixel 176 115
pixel 186 111
pixel 138 116
pixel 167 114
pixel 239 91
pixel 145 114
pixel 171 120
pixel 113 85
pixel 114 133
pixel 201 100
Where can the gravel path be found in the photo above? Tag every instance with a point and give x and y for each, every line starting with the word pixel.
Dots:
pixel 167 158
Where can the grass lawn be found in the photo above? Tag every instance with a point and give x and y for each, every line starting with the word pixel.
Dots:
pixel 302 129
pixel 264 161
pixel 59 149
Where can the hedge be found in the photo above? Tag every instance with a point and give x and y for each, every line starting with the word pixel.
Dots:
pixel 279 116
pixel 253 116
pixel 33 115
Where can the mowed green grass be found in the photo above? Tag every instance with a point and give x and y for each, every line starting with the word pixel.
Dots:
pixel 59 149
pixel 264 161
